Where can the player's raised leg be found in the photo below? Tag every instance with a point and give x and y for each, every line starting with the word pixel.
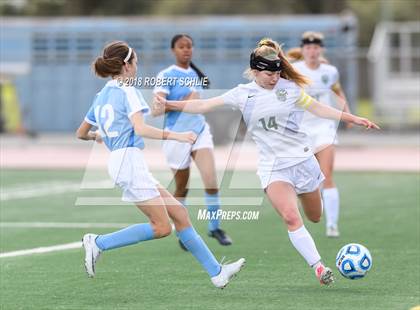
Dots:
pixel 283 198
pixel 158 227
pixel 220 274
pixel 312 206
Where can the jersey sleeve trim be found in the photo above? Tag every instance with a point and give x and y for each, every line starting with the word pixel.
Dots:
pixel 87 120
pixel 161 78
pixel 134 102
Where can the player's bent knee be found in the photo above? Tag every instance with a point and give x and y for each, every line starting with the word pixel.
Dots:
pixel 292 219
pixel 315 219
pixel 181 220
pixel 162 230
pixel 328 182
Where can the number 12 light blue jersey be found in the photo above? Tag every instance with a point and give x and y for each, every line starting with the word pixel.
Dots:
pixel 111 111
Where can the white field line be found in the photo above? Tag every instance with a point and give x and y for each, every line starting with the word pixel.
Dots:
pixel 191 201
pixel 40 250
pixel 61 225
pixel 61 187
pixel 49 188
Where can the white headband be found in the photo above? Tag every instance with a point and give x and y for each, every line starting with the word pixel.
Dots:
pixel 130 50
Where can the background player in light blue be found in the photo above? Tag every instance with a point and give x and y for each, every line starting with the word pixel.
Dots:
pixel 117 112
pixel 179 154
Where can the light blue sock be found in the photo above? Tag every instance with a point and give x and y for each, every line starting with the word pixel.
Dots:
pixel 199 250
pixel 213 204
pixel 129 235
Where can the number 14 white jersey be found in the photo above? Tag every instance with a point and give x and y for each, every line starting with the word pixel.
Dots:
pixel 273 119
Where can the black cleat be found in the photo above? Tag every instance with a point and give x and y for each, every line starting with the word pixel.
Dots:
pixel 182 246
pixel 220 236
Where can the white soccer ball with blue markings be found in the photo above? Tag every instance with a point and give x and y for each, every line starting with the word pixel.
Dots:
pixel 353 261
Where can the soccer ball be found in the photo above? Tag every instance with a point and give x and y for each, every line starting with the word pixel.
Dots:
pixel 353 261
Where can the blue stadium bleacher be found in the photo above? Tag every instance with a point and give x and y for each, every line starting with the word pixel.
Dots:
pixel 60 85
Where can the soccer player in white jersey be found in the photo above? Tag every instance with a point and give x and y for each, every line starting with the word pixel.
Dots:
pixel 179 155
pixel 324 87
pixel 118 112
pixel 273 105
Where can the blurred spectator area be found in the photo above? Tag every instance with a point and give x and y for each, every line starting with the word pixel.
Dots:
pixel 59 86
pixel 395 73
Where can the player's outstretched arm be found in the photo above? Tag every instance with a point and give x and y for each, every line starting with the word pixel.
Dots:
pixel 147 131
pixel 162 108
pixel 196 106
pixel 325 111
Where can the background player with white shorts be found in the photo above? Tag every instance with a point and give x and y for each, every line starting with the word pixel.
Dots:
pixel 179 155
pixel 117 112
pixel 272 106
pixel 325 87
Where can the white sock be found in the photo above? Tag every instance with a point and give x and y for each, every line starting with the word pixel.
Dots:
pixel 315 266
pixel 305 245
pixel 331 201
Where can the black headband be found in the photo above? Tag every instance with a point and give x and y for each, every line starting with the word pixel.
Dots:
pixel 261 64
pixel 312 40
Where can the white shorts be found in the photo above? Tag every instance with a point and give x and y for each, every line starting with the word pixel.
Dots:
pixel 322 136
pixel 178 154
pixel 305 176
pixel 129 171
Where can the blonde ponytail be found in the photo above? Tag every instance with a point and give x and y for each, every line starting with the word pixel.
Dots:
pixel 270 43
pixel 288 72
pixel 294 54
pixel 265 48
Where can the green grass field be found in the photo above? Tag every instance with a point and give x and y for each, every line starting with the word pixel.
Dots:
pixel 379 210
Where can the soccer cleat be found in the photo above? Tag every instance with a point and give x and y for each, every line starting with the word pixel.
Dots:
pixel 182 245
pixel 227 272
pixel 220 236
pixel 324 275
pixel 332 231
pixel 92 253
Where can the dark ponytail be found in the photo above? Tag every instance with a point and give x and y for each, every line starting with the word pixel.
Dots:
pixel 112 59
pixel 203 78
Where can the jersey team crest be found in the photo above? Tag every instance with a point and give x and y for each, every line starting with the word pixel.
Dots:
pixel 281 94
pixel 324 78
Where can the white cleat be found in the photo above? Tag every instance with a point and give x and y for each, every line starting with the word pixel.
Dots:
pixel 324 275
pixel 332 231
pixel 227 272
pixel 92 253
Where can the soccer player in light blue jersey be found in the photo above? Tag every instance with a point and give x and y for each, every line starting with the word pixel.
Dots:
pixel 183 81
pixel 118 113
